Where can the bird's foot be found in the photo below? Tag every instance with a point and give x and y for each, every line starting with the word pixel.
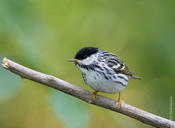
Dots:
pixel 94 96
pixel 119 103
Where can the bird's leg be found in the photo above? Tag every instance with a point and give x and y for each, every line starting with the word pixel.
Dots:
pixel 119 102
pixel 94 95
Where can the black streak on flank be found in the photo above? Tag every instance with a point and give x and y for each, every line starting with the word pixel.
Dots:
pixel 104 75
pixel 121 77
pixel 114 76
pixel 108 71
pixel 109 77
pixel 118 82
pixel 84 77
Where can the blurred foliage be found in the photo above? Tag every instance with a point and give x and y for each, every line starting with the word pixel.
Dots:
pixel 43 34
pixel 73 113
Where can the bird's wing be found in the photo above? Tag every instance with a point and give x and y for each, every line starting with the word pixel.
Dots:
pixel 117 65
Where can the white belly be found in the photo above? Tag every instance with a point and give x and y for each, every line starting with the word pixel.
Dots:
pixel 99 83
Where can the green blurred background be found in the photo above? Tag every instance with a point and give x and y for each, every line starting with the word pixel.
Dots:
pixel 43 34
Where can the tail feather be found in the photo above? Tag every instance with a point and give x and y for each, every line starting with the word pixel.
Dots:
pixel 135 77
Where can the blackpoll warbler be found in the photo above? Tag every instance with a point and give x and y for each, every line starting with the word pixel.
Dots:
pixel 102 71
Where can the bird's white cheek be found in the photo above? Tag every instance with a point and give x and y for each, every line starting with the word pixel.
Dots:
pixel 89 60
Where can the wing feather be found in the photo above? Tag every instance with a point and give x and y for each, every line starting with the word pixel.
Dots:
pixel 117 65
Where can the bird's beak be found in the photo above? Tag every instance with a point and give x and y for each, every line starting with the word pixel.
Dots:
pixel 72 60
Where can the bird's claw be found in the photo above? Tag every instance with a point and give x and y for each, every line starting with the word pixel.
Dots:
pixel 94 96
pixel 119 103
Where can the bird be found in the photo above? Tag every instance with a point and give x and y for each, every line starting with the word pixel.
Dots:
pixel 103 71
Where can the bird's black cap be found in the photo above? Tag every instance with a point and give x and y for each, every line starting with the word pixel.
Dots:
pixel 85 52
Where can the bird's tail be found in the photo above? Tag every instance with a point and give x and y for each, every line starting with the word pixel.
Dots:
pixel 135 77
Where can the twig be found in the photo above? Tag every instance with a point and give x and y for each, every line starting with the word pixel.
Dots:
pixel 86 96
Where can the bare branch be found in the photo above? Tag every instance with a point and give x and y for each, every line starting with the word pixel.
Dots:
pixel 86 96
